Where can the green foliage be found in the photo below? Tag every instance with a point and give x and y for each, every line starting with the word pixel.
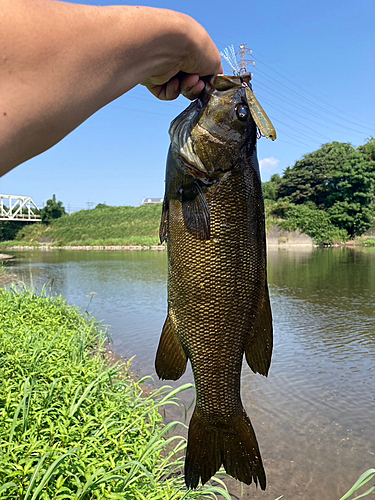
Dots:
pixel 368 149
pixel 102 226
pixel 101 205
pixel 10 228
pixel 364 479
pixel 310 220
pixel 72 428
pixel 53 210
pixel 338 179
pixel 270 188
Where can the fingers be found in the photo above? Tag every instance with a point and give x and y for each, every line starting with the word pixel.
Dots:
pixel 190 86
pixel 168 91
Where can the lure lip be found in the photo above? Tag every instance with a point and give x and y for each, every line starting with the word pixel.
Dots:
pixel 225 82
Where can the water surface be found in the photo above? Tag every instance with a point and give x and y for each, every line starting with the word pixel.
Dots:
pixel 315 414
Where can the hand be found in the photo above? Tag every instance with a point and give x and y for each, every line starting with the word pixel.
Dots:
pixel 190 86
pixel 200 58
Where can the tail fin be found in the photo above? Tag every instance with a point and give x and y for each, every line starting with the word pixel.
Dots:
pixel 234 446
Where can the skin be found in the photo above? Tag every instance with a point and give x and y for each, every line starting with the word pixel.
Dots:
pixel 61 62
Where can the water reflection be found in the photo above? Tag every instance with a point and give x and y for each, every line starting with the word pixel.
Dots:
pixel 314 415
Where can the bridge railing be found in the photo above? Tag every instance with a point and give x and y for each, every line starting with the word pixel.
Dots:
pixel 18 208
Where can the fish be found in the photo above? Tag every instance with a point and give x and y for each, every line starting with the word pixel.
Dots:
pixel 218 300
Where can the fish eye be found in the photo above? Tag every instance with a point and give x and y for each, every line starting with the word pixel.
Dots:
pixel 243 112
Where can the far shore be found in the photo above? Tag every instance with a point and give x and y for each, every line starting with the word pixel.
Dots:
pixel 270 245
pixel 277 238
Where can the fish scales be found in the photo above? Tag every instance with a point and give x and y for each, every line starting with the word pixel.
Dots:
pixel 218 308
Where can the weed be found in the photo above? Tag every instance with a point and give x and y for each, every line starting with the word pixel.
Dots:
pixel 70 427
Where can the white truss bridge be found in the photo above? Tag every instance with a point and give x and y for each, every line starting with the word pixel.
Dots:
pixel 18 208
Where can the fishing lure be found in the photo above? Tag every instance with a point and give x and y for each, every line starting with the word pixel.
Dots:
pixel 260 117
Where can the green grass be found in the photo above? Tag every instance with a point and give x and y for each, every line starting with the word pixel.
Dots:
pixel 73 428
pixel 368 241
pixel 70 426
pixel 133 226
pixel 101 226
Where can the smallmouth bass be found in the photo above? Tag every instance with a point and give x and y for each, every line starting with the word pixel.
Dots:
pixel 218 301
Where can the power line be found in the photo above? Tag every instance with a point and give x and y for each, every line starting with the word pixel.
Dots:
pixel 304 117
pixel 281 133
pixel 310 93
pixel 303 97
pixel 310 111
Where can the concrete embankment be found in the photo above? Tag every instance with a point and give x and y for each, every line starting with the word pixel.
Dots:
pixel 275 237
pixel 87 247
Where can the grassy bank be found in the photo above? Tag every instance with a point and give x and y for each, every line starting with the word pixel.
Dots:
pixel 139 226
pixel 102 226
pixel 70 427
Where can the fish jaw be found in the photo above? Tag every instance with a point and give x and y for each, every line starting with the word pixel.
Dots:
pixel 208 136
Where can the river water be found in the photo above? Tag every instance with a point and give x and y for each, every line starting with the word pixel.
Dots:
pixel 314 415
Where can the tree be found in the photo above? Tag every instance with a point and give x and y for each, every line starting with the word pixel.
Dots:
pixel 270 188
pixel 53 210
pixel 314 222
pixel 10 228
pixel 337 178
pixel 368 149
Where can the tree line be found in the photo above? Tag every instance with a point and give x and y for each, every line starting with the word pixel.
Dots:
pixel 328 194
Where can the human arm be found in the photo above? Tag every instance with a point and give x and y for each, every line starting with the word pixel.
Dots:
pixel 61 62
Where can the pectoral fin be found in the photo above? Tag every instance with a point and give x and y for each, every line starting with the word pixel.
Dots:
pixel 171 359
pixel 258 347
pixel 197 215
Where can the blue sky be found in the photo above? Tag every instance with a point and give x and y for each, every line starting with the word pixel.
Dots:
pixel 314 75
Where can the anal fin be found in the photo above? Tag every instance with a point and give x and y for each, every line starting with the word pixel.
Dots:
pixel 258 346
pixel 171 359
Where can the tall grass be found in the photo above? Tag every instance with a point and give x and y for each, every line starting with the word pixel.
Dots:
pixel 101 226
pixel 72 428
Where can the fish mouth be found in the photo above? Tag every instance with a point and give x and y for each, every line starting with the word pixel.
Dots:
pixel 181 130
pixel 180 134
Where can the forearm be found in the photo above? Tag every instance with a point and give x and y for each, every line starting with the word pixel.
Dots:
pixel 61 62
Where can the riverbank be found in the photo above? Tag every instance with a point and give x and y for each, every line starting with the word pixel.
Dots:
pixel 135 228
pixel 86 247
pixel 72 423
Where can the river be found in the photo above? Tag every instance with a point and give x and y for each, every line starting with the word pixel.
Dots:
pixel 314 415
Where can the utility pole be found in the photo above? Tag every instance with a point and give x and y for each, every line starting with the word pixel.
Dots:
pixel 89 204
